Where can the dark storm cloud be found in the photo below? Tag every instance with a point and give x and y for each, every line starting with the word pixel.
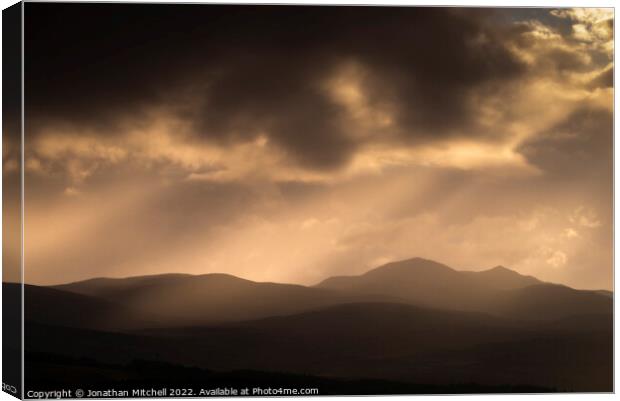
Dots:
pixel 235 72
pixel 603 80
pixel 581 144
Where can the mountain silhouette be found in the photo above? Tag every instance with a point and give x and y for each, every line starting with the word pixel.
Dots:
pixel 173 300
pixel 193 300
pixel 503 278
pixel 413 321
pixel 181 299
pixel 499 291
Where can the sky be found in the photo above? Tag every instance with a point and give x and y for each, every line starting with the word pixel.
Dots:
pixel 294 143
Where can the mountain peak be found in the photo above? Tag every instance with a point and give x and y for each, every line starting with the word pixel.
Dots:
pixel 394 273
pixel 408 264
pixel 500 268
pixel 503 277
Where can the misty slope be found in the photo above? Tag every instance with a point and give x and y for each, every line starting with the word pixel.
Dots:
pixel 196 300
pixel 377 340
pixel 412 321
pixel 550 301
pixel 49 306
pixel 181 299
pixel 499 290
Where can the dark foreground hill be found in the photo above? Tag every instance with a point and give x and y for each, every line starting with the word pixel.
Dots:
pixel 415 322
pixel 161 375
pixel 60 308
pixel 391 342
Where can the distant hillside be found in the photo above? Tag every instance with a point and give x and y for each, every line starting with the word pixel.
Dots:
pixel 498 291
pixel 187 300
pixel 196 300
pixel 414 321
pixel 50 306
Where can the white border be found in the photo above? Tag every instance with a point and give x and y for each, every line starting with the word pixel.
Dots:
pixel 461 3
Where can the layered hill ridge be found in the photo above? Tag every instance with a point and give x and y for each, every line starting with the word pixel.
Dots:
pixel 182 299
pixel 499 291
pixel 428 271
pixel 194 300
pixel 503 278
pixel 415 321
pixel 62 308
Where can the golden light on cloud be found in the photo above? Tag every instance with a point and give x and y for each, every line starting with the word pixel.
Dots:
pixel 373 156
pixel 590 24
pixel 346 87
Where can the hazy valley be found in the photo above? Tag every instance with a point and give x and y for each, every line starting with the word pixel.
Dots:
pixel 414 321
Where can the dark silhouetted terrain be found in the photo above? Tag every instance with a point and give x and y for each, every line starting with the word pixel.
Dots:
pixel 180 299
pixel 498 291
pixel 408 324
pixel 61 308
pixel 149 374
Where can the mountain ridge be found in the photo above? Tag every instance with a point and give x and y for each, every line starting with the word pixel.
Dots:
pixel 414 321
pixel 499 269
pixel 422 263
pixel 185 299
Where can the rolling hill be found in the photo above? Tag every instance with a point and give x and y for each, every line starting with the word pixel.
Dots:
pixel 181 300
pixel 60 308
pixel 414 321
pixel 498 291
pixel 211 298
